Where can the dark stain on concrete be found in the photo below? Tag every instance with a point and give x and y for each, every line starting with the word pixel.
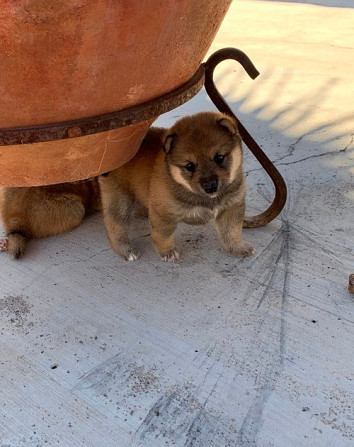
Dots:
pixel 15 308
pixel 178 418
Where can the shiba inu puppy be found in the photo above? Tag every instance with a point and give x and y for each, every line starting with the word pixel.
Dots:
pixel 195 178
pixel 42 211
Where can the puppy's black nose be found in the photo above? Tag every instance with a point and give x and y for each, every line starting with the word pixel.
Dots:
pixel 210 186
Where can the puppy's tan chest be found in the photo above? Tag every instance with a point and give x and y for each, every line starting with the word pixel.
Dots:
pixel 198 215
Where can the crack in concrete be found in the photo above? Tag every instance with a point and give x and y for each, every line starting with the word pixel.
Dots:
pixel 325 154
pixel 292 148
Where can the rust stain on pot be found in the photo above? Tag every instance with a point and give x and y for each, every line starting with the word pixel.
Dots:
pixel 74 132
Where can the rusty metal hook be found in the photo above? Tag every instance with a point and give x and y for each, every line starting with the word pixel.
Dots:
pixel 280 187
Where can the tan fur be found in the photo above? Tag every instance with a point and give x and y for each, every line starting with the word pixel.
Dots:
pixel 177 177
pixel 161 182
pixel 37 212
pixel 236 161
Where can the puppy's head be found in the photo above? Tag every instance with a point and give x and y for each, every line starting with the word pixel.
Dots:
pixel 204 152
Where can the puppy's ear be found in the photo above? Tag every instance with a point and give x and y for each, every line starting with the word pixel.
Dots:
pixel 228 124
pixel 169 142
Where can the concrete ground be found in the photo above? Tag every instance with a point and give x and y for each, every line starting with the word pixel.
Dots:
pixel 212 351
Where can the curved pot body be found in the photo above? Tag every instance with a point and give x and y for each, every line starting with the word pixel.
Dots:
pixel 71 59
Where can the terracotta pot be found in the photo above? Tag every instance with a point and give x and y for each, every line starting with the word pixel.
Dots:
pixel 71 59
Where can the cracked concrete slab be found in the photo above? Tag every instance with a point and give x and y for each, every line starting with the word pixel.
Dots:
pixel 213 350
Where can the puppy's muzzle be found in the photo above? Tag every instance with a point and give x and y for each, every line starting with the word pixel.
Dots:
pixel 210 185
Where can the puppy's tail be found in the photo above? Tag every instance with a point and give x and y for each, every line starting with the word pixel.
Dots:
pixel 16 243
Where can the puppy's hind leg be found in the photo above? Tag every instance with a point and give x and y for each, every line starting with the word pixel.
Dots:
pixel 50 216
pixel 3 244
pixel 117 210
pixel 16 238
pixel 16 245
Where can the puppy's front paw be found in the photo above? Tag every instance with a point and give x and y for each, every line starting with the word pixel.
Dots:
pixel 170 256
pixel 133 255
pixel 242 249
pixel 129 253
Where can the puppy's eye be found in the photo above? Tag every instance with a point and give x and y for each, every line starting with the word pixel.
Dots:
pixel 190 167
pixel 219 159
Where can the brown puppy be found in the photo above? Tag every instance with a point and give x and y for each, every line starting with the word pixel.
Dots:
pixel 42 211
pixel 198 177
